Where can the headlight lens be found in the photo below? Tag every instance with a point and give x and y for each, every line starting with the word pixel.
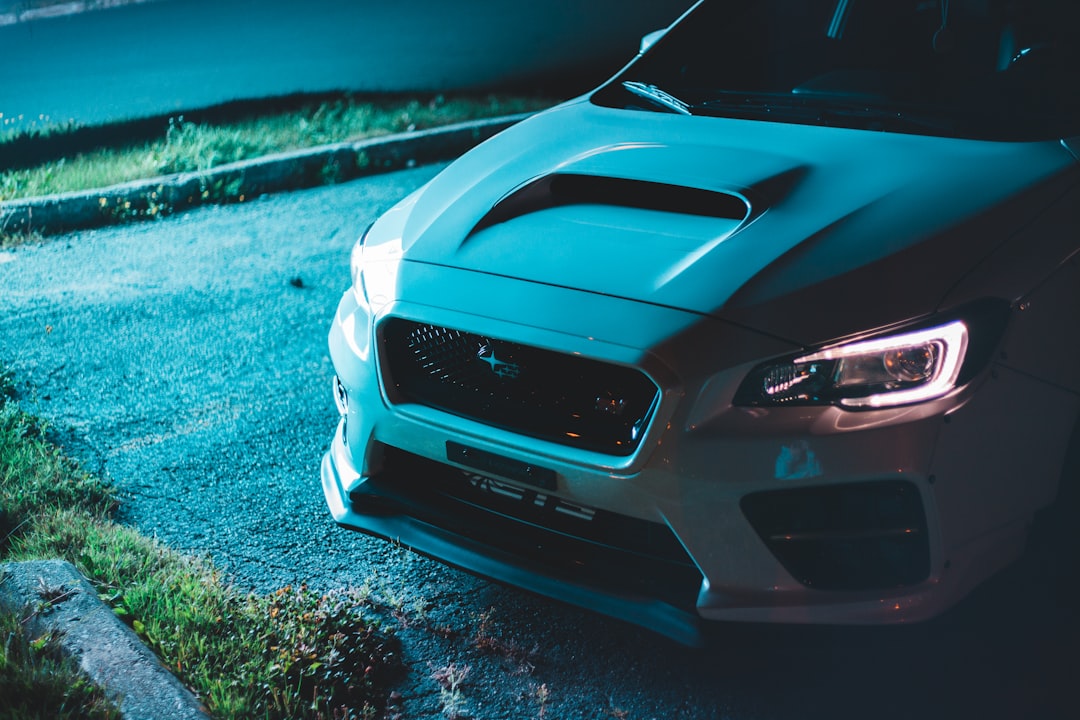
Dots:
pixel 881 372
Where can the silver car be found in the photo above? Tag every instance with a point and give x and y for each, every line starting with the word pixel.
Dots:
pixel 779 324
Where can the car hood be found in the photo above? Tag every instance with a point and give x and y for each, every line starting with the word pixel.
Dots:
pixel 808 233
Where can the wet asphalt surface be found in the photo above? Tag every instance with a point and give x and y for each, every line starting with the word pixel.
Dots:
pixel 186 361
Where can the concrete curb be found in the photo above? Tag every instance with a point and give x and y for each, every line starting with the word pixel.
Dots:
pixel 161 196
pixel 108 651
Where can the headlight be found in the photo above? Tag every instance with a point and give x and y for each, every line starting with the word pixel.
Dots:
pixel 881 372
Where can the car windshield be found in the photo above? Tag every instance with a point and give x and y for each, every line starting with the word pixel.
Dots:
pixel 989 69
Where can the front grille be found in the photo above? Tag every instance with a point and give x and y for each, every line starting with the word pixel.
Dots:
pixel 626 556
pixel 553 396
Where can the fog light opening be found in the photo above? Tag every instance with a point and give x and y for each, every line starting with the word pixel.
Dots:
pixel 850 537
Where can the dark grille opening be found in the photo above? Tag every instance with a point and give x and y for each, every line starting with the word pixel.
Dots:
pixel 562 398
pixel 543 533
pixel 862 536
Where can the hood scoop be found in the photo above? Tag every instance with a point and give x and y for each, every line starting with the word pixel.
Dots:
pixel 627 219
pixel 563 189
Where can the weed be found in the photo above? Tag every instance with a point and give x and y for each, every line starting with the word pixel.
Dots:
pixel 15 239
pixel 543 697
pixel 82 172
pixel 186 146
pixel 293 654
pixel 444 632
pixel 151 204
pixel 14 236
pixel 487 640
pixel 35 478
pixel 420 608
pixel 12 128
pixel 190 147
pixel 37 682
pixel 7 385
pixel 323 647
pixel 396 602
pixel 451 678
pixel 221 190
pixel 49 597
pixel 331 172
pixel 391 598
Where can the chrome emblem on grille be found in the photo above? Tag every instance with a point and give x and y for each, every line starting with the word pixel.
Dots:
pixel 501 368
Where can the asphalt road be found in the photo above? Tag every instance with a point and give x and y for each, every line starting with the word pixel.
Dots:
pixel 186 360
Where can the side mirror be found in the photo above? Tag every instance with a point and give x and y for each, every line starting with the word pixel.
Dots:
pixel 649 40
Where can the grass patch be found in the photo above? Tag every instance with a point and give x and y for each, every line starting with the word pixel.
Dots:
pixel 184 146
pixel 291 654
pixel 38 683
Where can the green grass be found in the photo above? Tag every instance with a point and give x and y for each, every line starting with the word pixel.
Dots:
pixel 187 146
pixel 290 654
pixel 38 683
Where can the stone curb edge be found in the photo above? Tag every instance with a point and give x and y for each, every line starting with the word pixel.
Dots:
pixel 157 197
pixel 51 595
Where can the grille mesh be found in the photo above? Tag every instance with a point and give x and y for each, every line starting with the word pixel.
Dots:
pixel 566 399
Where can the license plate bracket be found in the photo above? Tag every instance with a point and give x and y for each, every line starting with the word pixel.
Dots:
pixel 487 462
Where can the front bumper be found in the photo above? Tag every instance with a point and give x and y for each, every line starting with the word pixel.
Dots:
pixel 665 537
pixel 497 547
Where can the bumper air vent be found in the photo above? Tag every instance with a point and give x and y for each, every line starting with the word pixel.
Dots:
pixel 861 536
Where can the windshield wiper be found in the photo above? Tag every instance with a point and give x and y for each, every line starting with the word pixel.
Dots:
pixel 657 97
